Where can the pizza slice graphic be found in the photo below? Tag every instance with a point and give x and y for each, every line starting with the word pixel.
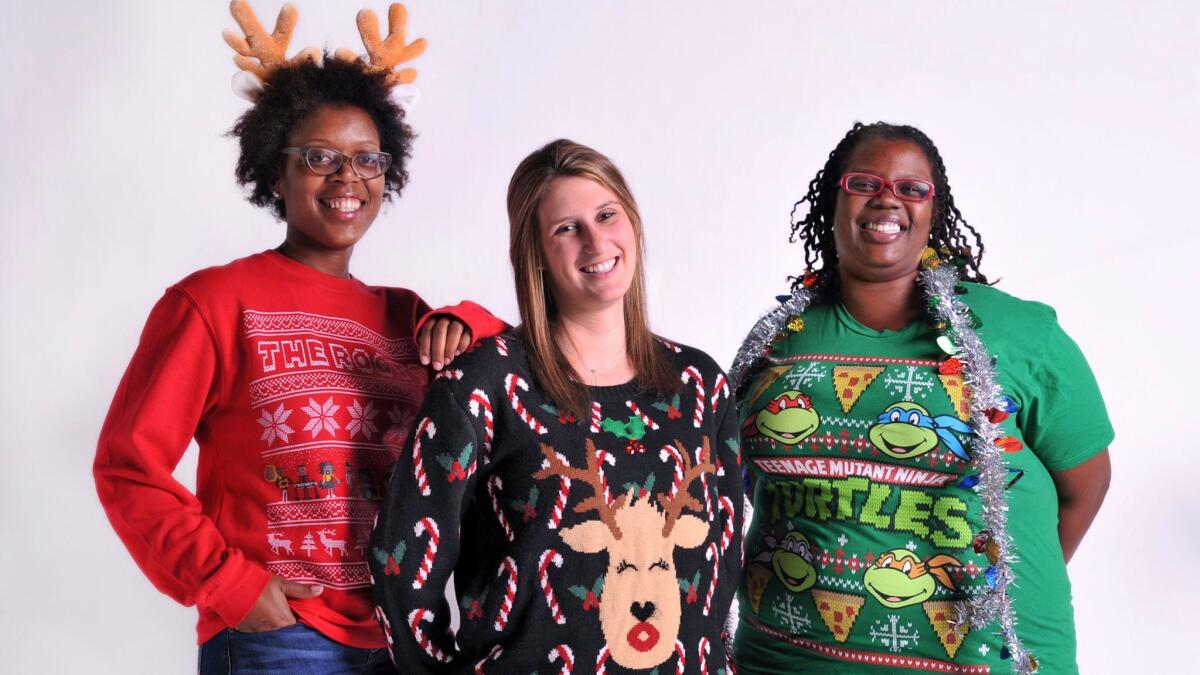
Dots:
pixel 764 381
pixel 941 613
pixel 839 611
pixel 959 393
pixel 849 383
pixel 756 584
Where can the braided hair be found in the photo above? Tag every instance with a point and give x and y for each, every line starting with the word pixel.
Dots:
pixel 948 230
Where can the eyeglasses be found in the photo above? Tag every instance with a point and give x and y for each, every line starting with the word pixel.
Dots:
pixel 326 162
pixel 906 189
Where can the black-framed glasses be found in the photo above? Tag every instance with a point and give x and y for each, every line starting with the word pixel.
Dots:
pixel 868 185
pixel 326 162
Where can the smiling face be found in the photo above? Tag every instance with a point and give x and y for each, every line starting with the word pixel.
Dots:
pixel 330 213
pixel 881 238
pixel 789 418
pixel 793 563
pixel 640 609
pixel 901 431
pixel 589 247
pixel 899 579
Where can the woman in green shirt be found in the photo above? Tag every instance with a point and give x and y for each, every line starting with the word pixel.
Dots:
pixel 911 432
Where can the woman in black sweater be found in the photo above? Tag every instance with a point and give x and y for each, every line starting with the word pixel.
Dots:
pixel 578 475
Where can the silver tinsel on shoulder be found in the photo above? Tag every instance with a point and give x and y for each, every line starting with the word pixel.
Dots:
pixel 758 340
pixel 979 374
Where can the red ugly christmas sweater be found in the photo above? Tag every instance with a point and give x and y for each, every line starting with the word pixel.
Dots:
pixel 300 389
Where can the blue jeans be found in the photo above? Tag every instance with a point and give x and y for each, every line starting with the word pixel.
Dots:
pixel 294 649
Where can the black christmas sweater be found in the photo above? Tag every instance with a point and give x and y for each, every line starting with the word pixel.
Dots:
pixel 611 543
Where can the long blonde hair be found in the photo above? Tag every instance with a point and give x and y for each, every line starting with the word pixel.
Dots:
pixel 551 368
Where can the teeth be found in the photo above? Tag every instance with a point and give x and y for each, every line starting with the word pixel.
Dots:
pixel 601 268
pixel 886 227
pixel 343 204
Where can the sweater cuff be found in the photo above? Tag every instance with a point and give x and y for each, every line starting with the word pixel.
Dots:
pixel 232 591
pixel 480 321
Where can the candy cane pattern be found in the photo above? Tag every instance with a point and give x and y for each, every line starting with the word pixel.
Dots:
pixel 495 484
pixel 427 429
pixel 670 345
pixel 563 653
pixel 510 592
pixel 448 374
pixel 550 557
pixel 708 509
pixel 594 427
pixel 386 625
pixel 721 386
pixel 560 500
pixel 605 457
pixel 426 526
pixel 669 452
pixel 601 659
pixel 703 650
pixel 497 650
pixel 501 346
pixel 682 657
pixel 690 373
pixel 725 504
pixel 415 619
pixel 715 556
pixel 479 404
pixel 511 383
pixel 645 419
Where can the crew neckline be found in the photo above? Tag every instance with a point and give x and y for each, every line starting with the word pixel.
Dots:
pixel 313 276
pixel 847 319
pixel 616 392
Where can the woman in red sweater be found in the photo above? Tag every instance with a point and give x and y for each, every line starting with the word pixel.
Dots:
pixel 298 381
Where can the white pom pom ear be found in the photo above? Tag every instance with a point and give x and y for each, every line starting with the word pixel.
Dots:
pixel 406 95
pixel 247 86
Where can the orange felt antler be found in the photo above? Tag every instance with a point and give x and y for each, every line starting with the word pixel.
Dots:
pixel 386 54
pixel 259 53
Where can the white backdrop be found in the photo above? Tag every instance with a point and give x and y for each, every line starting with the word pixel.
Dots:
pixel 1069 132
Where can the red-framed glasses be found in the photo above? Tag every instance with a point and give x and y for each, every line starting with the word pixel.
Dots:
pixel 906 189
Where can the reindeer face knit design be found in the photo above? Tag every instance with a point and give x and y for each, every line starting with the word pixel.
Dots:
pixel 611 541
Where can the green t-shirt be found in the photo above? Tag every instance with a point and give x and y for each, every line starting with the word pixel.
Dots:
pixel 864 517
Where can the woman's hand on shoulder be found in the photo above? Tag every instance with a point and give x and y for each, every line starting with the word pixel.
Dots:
pixel 442 339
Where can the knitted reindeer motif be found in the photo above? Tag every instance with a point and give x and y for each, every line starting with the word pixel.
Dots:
pixel 640 608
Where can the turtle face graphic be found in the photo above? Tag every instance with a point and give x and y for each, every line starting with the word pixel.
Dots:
pixel 793 562
pixel 904 430
pixel 789 418
pixel 899 578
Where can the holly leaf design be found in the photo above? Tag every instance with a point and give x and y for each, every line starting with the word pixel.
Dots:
pixel 633 429
pixel 598 586
pixel 465 454
pixel 578 591
pixel 380 555
pixel 550 409
pixel 446 460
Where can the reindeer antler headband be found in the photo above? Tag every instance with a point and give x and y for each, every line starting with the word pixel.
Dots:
pixel 260 54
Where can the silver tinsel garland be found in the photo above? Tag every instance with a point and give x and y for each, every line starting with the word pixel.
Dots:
pixel 758 340
pixel 938 281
